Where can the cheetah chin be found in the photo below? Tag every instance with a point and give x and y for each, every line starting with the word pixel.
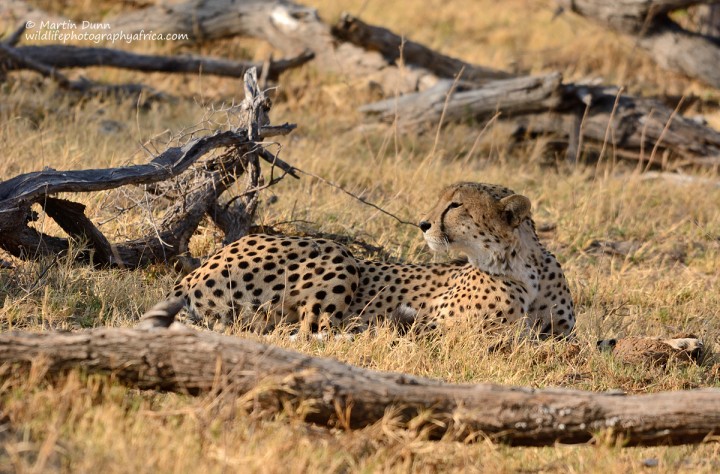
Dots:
pixel 263 282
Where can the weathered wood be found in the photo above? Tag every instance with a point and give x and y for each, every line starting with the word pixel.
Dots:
pixel 677 49
pixel 200 181
pixel 514 96
pixel 350 397
pixel 393 47
pixel 19 193
pixel 706 19
pixel 11 55
pixel 628 16
pixel 15 37
pixel 71 218
pixel 235 217
pixel 672 47
pixel 632 128
pixel 287 26
pixel 65 56
pixel 635 128
pixel 29 187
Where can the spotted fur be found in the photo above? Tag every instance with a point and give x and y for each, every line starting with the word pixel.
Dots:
pixel 262 281
pixel 267 280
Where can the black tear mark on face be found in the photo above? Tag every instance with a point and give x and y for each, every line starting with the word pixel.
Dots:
pixel 452 205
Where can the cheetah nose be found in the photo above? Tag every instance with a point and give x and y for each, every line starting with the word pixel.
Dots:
pixel 424 226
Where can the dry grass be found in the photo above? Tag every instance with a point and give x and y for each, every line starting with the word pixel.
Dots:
pixel 666 283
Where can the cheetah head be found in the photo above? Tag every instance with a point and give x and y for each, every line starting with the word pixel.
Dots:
pixel 478 220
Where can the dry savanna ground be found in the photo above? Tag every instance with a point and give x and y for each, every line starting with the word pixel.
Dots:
pixel 641 256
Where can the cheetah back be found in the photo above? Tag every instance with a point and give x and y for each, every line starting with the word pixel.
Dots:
pixel 261 281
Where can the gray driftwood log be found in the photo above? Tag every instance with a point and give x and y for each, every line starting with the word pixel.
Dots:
pixel 514 96
pixel 350 397
pixel 671 46
pixel 626 127
pixel 201 180
pixel 584 118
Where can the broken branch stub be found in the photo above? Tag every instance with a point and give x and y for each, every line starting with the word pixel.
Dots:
pixel 203 179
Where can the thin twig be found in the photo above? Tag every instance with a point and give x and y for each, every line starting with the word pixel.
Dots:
pixel 368 203
pixel 275 161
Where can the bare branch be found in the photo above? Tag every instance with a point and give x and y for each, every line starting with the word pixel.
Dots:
pixel 66 56
pixel 196 193
pixel 393 47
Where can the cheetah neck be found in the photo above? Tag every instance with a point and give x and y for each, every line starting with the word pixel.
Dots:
pixel 519 262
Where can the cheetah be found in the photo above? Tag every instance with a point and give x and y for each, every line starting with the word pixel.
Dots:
pixel 263 281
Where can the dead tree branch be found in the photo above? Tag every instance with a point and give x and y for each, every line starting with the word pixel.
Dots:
pixel 344 396
pixel 394 47
pixel 570 113
pixel 204 178
pixel 637 125
pixel 13 56
pixel 64 56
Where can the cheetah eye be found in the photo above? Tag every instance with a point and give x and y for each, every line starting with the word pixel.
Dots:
pixel 454 205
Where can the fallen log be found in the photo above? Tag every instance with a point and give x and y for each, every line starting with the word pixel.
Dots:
pixel 201 180
pixel 626 127
pixel 671 46
pixel 513 96
pixel 581 117
pixel 394 47
pixel 66 56
pixel 344 396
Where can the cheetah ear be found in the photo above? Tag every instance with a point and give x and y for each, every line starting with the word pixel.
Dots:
pixel 515 209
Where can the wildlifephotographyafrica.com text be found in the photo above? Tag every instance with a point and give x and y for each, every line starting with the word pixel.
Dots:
pixel 71 31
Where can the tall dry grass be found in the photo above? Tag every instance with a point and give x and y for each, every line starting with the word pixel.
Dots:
pixel 666 281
